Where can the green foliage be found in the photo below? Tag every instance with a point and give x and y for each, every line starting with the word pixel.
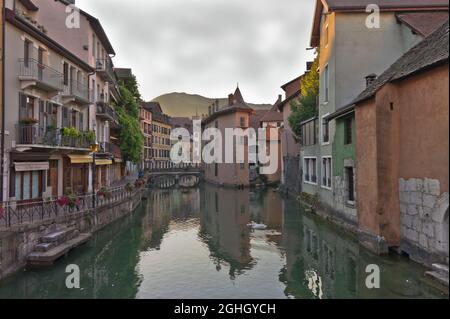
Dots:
pixel 305 107
pixel 131 138
pixel 129 102
pixel 90 136
pixel 132 86
pixel 70 132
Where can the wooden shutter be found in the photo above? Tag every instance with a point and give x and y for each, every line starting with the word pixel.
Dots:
pixel 41 114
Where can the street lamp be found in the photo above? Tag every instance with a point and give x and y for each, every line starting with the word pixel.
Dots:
pixel 94 150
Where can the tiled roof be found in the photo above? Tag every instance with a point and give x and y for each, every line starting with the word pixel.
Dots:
pixel 423 23
pixel 288 100
pixel 430 52
pixel 255 118
pixel 273 115
pixel 360 5
pixel 384 4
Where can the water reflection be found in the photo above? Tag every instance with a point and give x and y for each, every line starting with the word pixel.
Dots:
pixel 197 243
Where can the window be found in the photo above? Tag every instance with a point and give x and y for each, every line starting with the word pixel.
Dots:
pixel 310 170
pixel 326 172
pixel 27 52
pixel 65 117
pixel 242 121
pixel 29 185
pixel 350 179
pixel 309 135
pixel 94 49
pixel 26 107
pixel 326 81
pixel 325 131
pixel 348 137
pixel 216 169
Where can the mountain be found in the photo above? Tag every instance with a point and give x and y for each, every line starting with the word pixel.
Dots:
pixel 188 105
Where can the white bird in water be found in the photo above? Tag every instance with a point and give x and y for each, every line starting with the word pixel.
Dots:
pixel 257 226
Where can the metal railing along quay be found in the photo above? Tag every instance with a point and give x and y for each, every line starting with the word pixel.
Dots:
pixel 20 213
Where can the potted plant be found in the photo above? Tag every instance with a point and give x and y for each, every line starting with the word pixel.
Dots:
pixel 63 201
pixel 129 187
pixel 73 201
pixel 104 192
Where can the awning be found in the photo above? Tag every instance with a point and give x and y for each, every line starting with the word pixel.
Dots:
pixel 31 166
pixel 103 162
pixel 80 159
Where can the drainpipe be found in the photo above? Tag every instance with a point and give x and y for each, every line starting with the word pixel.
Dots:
pixel 89 124
pixel 2 106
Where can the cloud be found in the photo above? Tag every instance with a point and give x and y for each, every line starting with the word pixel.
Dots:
pixel 205 47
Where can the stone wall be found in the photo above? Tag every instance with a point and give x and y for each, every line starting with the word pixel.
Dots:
pixel 18 241
pixel 341 198
pixel 424 220
pixel 292 175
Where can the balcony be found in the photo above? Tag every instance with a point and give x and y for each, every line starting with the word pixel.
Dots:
pixel 110 148
pixel 32 73
pixel 39 137
pixel 105 70
pixel 105 111
pixel 77 92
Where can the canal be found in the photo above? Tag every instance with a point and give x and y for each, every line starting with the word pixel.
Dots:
pixel 197 244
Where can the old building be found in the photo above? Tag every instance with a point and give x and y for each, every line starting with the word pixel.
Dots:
pixel 160 132
pixel 272 121
pixel 235 115
pixel 49 125
pixel 350 50
pixel 402 141
pixel 63 84
pixel 145 119
pixel 290 148
pixel 2 106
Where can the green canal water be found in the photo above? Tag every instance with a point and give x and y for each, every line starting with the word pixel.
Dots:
pixel 196 244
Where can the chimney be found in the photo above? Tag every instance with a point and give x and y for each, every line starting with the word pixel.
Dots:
pixel 370 79
pixel 230 99
pixel 217 105
pixel 280 98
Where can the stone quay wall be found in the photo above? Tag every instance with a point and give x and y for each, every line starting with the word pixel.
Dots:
pixel 424 220
pixel 18 241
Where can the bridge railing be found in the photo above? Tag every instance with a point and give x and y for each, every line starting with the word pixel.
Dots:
pixel 18 212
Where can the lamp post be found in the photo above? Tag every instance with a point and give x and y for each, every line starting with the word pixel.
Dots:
pixel 94 149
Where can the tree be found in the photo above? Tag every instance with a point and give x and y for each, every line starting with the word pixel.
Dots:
pixel 131 138
pixel 131 84
pixel 305 107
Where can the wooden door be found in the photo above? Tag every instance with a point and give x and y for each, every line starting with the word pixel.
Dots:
pixel 53 178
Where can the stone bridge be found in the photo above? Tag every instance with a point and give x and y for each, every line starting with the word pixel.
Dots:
pixel 167 179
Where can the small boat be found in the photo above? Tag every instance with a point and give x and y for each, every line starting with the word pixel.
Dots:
pixel 256 226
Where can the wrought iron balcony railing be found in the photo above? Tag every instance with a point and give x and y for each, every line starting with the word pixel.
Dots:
pixel 49 137
pixel 79 91
pixel 45 77
pixel 105 69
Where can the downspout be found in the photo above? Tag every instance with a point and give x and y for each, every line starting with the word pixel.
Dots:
pixel 2 103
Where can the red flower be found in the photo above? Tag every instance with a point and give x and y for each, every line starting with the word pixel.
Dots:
pixel 63 201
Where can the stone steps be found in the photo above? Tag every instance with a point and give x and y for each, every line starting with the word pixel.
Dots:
pixel 439 273
pixel 441 269
pixel 41 258
pixel 58 236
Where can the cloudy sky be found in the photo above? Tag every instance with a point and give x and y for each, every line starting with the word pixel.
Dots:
pixel 207 46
